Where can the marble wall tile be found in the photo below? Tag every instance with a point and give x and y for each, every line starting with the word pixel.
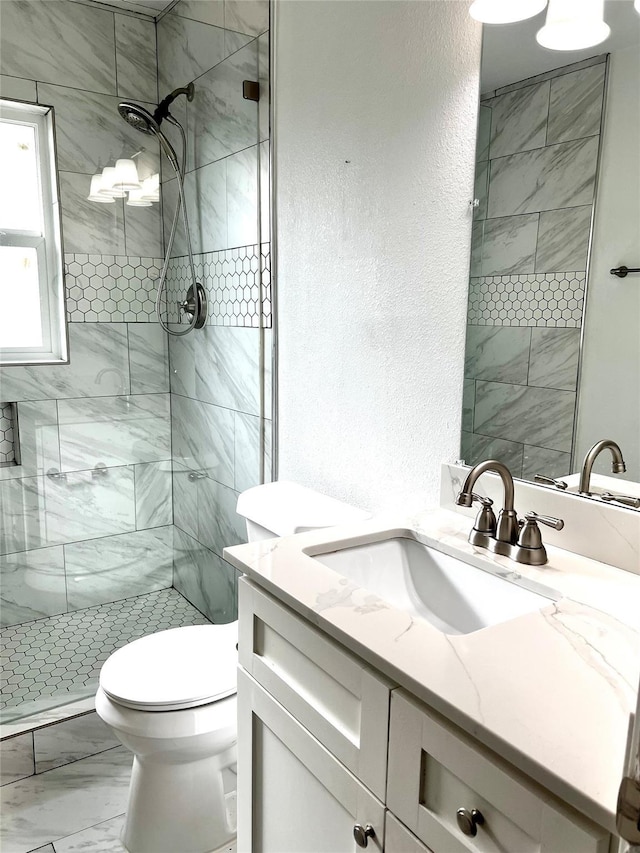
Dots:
pixel 468 404
pixel 99 367
pixel 142 230
pixel 87 226
pixel 185 499
pixel 114 567
pixel 103 837
pixel 186 49
pixel 539 416
pixel 481 189
pixel 65 800
pixel 563 239
pixel 219 525
pixel 203 437
pixel 484 133
pixel 148 358
pixel 264 118
pixel 549 463
pixel 38 440
pixel 71 740
pixel 16 758
pixel 497 353
pixel 246 16
pixel 114 431
pixel 154 506
pixel 206 191
pixel 242 198
pixel 90 133
pixel 249 440
pixel 549 75
pixel 519 120
pixel 204 579
pixel 508 452
pixel 221 121
pixel 32 585
pixel 545 179
pixel 18 88
pixel 136 59
pixel 227 368
pixel 182 365
pixel 575 106
pixel 554 358
pixel 68 45
pixel 477 234
pixel 170 199
pixel 206 11
pixel 265 191
pixel 509 245
pixel 466 446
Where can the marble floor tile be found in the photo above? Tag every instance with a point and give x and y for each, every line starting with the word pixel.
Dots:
pixel 65 800
pixel 99 367
pixel 563 239
pixel 575 105
pixel 509 245
pixel 204 579
pixel 227 368
pixel 16 758
pixel 153 494
pixel 32 585
pixel 67 45
pixel 545 179
pixel 194 425
pixel 549 463
pixel 102 838
pixel 542 416
pixel 555 354
pixel 148 358
pixel 38 440
pixel 498 353
pixel 186 49
pixel 89 227
pixel 117 567
pixel 113 431
pixel 136 59
pixel 508 452
pixel 242 197
pixel 519 120
pixel 71 740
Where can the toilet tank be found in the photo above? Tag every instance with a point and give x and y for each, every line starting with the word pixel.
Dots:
pixel 284 508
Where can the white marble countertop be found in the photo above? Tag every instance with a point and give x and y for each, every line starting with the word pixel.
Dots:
pixel 551 691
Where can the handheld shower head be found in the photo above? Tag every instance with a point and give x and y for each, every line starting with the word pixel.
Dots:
pixel 138 117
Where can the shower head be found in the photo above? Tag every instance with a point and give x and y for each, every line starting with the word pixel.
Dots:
pixel 138 117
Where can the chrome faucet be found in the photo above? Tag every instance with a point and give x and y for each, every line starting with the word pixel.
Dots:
pixel 617 464
pixel 519 540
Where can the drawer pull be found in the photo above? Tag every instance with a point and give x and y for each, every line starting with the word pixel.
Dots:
pixel 469 821
pixel 362 834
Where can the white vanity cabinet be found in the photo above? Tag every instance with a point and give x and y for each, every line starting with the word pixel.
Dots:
pixel 325 743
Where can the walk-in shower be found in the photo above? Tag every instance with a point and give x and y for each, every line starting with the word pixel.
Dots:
pixel 195 304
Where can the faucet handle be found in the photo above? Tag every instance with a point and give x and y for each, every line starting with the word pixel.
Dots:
pixel 486 502
pixel 549 481
pixel 549 520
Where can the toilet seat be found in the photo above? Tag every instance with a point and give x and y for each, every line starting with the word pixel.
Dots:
pixel 174 669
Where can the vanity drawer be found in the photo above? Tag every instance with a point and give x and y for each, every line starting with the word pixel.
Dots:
pixel 343 703
pixel 435 769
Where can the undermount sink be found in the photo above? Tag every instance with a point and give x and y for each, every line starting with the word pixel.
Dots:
pixel 453 596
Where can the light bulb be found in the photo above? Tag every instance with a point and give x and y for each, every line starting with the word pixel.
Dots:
pixel 108 183
pixel 573 25
pixel 136 199
pixel 126 175
pixel 95 193
pixel 505 11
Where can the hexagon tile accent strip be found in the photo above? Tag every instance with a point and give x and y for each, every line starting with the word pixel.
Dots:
pixel 542 299
pixel 111 288
pixel 60 657
pixel 7 455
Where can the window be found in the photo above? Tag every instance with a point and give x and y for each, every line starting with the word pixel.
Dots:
pixel 32 311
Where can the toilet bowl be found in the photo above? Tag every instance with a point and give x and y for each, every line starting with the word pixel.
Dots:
pixel 170 698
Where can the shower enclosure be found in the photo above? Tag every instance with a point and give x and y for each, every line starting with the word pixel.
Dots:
pixel 132 455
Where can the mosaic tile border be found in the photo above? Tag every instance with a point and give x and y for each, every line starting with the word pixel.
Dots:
pixel 544 299
pixel 237 282
pixel 111 288
pixel 7 454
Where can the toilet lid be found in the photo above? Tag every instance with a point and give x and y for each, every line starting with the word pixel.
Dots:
pixel 178 668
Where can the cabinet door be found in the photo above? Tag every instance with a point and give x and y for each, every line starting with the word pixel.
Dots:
pixel 435 770
pixel 334 694
pixel 293 795
pixel 398 839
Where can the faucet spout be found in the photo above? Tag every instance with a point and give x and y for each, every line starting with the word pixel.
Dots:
pixel 617 463
pixel 507 526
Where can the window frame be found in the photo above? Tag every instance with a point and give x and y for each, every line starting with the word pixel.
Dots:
pixel 47 243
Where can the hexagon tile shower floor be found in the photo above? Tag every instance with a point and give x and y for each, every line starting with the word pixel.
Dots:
pixel 61 656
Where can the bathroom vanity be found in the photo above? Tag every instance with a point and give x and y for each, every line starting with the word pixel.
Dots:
pixel 362 724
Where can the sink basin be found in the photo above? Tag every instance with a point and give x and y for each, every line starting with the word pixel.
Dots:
pixel 453 596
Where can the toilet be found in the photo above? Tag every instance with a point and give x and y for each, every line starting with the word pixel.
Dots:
pixel 170 698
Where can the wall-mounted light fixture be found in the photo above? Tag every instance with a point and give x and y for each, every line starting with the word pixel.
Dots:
pixel 505 11
pixel 95 192
pixel 122 180
pixel 573 25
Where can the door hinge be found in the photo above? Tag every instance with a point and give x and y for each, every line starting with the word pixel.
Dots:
pixel 250 90
pixel 628 810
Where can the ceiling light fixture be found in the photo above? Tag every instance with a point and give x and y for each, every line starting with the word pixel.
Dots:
pixel 573 25
pixel 505 11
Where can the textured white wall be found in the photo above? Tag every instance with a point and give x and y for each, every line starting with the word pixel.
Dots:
pixel 376 109
pixel 609 405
